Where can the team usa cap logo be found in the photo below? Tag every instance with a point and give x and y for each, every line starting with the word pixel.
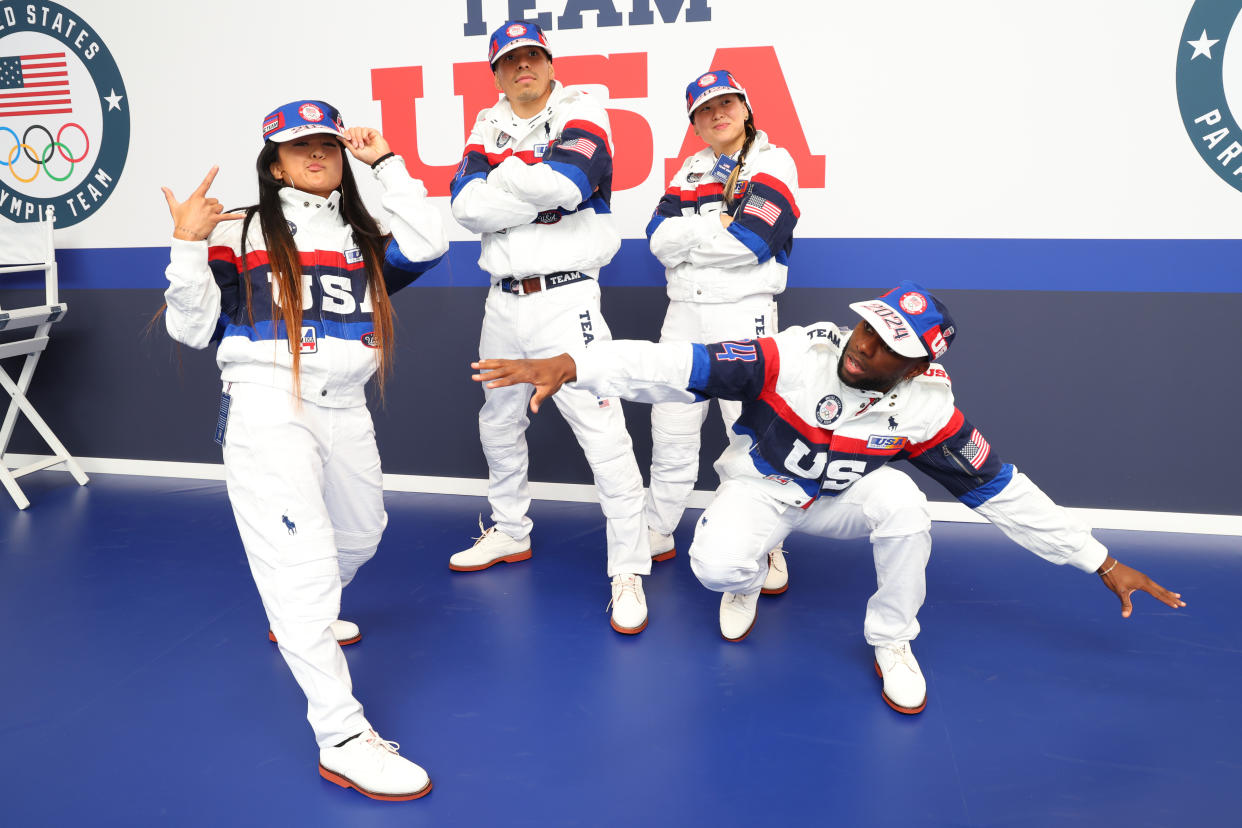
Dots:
pixel 511 35
pixel 64 116
pixel 712 84
pixel 910 320
pixel 301 118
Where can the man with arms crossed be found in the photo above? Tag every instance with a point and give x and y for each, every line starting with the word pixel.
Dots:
pixel 535 182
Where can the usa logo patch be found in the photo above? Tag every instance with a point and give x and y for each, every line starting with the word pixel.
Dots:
pixel 370 339
pixel 308 344
pixel 887 442
pixel 310 112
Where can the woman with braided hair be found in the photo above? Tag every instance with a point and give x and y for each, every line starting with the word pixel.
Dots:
pixel 724 232
pixel 295 292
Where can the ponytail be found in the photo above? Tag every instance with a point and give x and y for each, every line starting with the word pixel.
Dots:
pixel 751 132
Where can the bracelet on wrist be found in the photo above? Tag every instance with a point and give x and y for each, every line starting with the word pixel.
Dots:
pixel 375 164
pixel 1102 572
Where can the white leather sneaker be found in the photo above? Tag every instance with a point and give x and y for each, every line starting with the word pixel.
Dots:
pixel 346 632
pixel 905 689
pixel 662 547
pixel 629 605
pixel 778 573
pixel 737 614
pixel 371 766
pixel 491 547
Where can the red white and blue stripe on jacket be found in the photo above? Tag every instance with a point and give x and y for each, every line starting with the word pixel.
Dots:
pixel 822 462
pixel 335 301
pixel 581 154
pixel 763 209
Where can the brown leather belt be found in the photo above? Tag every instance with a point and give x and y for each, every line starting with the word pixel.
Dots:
pixel 534 284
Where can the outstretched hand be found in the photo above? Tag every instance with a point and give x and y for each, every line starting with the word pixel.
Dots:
pixel 195 218
pixel 1123 580
pixel 365 143
pixel 547 375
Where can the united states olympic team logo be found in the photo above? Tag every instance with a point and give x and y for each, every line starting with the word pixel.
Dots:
pixel 828 410
pixel 913 303
pixel 1204 82
pixel 64 115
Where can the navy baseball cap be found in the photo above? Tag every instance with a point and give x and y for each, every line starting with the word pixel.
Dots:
pixel 299 118
pixel 913 322
pixel 511 35
pixel 710 85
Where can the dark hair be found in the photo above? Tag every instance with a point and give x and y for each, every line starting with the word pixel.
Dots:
pixel 286 268
pixel 741 156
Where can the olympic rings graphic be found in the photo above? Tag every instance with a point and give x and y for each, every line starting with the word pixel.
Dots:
pixel 40 158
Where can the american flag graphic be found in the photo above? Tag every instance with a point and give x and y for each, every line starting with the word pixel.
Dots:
pixel 976 449
pixel 34 85
pixel 763 209
pixel 582 146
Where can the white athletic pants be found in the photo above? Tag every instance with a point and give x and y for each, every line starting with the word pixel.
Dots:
pixel 545 324
pixel 732 539
pixel 675 426
pixel 307 491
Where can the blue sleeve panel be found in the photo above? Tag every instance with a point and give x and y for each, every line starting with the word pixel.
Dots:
pixel 730 370
pixel 963 462
pixel 764 219
pixel 400 271
pixel 582 156
pixel 474 164
pixel 669 206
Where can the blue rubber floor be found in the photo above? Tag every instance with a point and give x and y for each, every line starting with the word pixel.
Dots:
pixel 139 688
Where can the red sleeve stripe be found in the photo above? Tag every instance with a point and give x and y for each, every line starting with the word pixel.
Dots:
pixel 778 185
pixel 221 253
pixel 591 127
pixel 772 370
pixel 306 258
pixel 950 428
pixel 495 158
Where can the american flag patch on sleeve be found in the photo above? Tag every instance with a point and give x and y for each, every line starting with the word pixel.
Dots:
pixel 583 146
pixel 762 209
pixel 976 450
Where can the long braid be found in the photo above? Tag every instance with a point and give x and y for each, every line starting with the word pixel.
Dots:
pixel 751 132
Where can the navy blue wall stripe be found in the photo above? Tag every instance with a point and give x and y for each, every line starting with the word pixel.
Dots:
pixel 1110 265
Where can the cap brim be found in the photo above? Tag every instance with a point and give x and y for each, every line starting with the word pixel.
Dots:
pixel 301 131
pixel 716 93
pixel 908 346
pixel 514 44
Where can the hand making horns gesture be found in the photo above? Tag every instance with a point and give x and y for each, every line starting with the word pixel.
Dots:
pixel 198 215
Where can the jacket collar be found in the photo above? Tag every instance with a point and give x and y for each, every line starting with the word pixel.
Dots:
pixel 503 118
pixel 301 207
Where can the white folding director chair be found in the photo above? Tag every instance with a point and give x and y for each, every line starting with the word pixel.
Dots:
pixel 28 247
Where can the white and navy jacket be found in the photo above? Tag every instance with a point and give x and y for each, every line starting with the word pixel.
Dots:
pixel 207 298
pixel 707 262
pixel 803 434
pixel 539 189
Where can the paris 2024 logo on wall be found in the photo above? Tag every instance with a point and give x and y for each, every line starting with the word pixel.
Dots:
pixel 64 116
pixel 1204 81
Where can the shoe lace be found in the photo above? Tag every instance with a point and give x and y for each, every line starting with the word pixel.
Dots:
pixel 901 653
pixel 627 583
pixel 739 598
pixel 381 743
pixel 483 533
pixel 776 559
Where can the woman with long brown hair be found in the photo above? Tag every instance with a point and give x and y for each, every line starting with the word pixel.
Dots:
pixel 724 233
pixel 295 291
